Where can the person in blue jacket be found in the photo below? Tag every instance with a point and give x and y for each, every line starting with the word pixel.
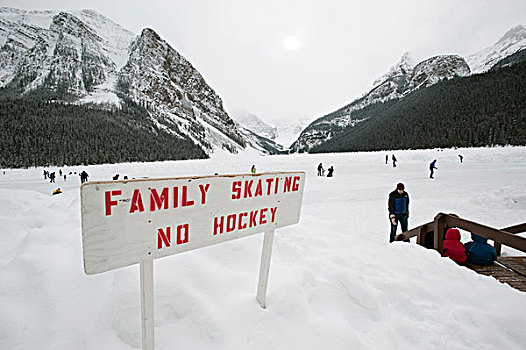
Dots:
pixel 479 252
pixel 398 206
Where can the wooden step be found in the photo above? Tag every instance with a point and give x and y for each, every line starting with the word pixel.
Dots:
pixel 503 274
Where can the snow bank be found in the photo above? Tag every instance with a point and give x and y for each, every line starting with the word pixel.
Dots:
pixel 335 282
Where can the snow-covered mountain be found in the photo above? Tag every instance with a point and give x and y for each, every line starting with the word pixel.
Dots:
pixel 257 125
pixel 513 41
pixel 85 57
pixel 289 130
pixel 261 143
pixel 404 78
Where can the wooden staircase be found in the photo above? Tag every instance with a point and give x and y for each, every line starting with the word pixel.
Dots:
pixel 509 269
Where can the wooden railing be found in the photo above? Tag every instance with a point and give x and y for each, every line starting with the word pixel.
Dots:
pixel 443 221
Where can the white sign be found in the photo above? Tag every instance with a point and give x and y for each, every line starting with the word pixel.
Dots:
pixel 126 222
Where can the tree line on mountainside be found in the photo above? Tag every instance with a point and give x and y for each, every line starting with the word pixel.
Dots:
pixel 36 132
pixel 480 110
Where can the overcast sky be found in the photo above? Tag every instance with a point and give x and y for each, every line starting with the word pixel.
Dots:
pixel 291 59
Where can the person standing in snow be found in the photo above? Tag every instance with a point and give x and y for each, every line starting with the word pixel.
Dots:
pixel 320 169
pixel 398 206
pixel 386 158
pixel 394 161
pixel 432 167
pixel 461 158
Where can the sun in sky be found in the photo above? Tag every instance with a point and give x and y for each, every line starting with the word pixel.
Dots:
pixel 291 43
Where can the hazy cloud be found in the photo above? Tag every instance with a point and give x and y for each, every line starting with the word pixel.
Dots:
pixel 341 47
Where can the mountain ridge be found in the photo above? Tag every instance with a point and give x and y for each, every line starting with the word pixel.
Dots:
pixel 84 57
pixel 404 78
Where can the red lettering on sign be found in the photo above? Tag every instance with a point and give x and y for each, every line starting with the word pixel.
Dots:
pixel 186 202
pixel 182 231
pixel 259 189
pixel 109 202
pixel 262 216
pixel 158 202
pixel 269 185
pixel 240 224
pixel 233 222
pixel 176 197
pixel 136 203
pixel 218 225
pixel 276 185
pixel 288 183
pixel 236 189
pixel 296 185
pixel 230 222
pixel 248 188
pixel 204 189
pixel 163 237
pixel 273 212
pixel 252 221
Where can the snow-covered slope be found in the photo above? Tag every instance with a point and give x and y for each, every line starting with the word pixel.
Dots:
pixel 67 56
pixel 260 143
pixel 257 125
pixel 85 57
pixel 513 41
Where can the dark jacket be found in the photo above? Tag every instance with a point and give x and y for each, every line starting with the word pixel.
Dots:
pixel 398 203
pixel 479 251
pixel 453 248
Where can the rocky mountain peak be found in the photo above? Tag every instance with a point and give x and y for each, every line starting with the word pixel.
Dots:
pixel 434 69
pixel 66 23
pixel 401 68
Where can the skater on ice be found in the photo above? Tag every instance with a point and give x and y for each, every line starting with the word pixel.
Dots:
pixel 432 167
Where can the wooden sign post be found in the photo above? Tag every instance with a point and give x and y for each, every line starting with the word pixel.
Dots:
pixel 136 221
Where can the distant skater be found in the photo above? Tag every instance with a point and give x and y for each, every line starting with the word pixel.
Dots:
pixel 461 158
pixel 253 169
pixel 432 168
pixel 83 176
pixel 386 158
pixel 394 161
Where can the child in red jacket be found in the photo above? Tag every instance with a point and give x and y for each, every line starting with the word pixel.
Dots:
pixel 453 248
